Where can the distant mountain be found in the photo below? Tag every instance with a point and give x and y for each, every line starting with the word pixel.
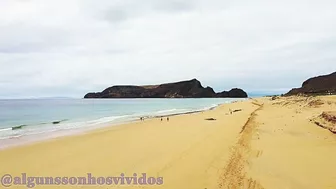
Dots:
pixel 183 89
pixel 320 85
pixel 51 98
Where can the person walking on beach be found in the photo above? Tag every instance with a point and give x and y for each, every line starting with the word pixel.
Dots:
pixel 167 118
pixel 161 118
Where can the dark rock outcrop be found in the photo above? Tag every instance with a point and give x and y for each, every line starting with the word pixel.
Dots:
pixel 326 120
pixel 183 89
pixel 321 85
pixel 233 93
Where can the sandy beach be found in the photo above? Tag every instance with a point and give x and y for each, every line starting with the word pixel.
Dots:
pixel 264 144
pixel 170 94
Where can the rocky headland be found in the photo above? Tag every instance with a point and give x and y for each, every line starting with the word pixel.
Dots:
pixel 320 85
pixel 183 89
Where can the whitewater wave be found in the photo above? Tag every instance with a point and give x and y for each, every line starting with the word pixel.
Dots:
pixel 5 129
pixel 65 125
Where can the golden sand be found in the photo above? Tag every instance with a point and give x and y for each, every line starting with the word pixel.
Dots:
pixel 268 144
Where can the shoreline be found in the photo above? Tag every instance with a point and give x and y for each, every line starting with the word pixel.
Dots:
pixel 58 134
pixel 42 116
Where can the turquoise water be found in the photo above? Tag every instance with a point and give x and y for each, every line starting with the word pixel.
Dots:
pixel 37 116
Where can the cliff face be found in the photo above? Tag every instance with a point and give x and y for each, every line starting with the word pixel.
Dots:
pixel 183 89
pixel 321 85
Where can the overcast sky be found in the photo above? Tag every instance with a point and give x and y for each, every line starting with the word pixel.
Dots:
pixel 70 47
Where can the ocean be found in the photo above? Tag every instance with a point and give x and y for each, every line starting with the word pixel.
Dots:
pixel 39 118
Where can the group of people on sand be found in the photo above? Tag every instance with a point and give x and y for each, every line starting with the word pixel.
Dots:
pixel 162 118
pixel 143 118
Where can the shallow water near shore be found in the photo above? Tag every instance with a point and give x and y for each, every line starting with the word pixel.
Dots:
pixel 43 118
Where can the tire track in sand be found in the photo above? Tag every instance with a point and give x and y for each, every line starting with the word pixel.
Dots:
pixel 234 175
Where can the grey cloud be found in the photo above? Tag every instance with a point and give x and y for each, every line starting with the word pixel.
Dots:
pixel 175 6
pixel 128 9
pixel 66 48
pixel 116 15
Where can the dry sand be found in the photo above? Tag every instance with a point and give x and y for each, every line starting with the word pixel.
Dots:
pixel 288 150
pixel 269 144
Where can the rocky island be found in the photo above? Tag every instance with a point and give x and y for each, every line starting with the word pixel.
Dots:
pixel 320 85
pixel 183 89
